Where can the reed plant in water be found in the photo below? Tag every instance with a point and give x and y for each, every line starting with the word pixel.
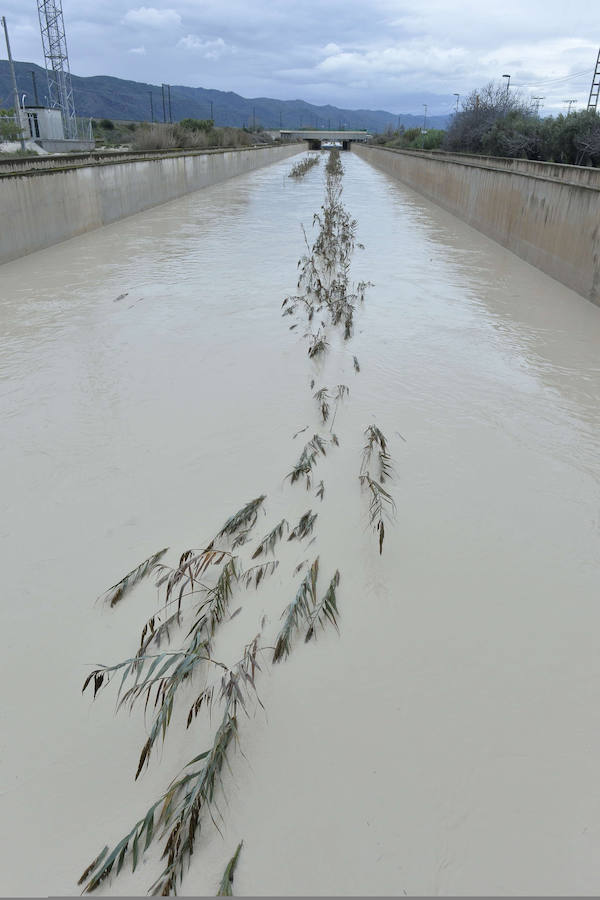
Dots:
pixel 375 470
pixel 200 587
pixel 116 593
pixel 307 611
pixel 324 269
pixel 198 590
pixel 226 884
pixel 176 817
pixel 307 460
pixel 300 168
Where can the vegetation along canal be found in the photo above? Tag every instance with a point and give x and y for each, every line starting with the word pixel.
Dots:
pixel 384 481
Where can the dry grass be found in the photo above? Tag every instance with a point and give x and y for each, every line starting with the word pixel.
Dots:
pixel 175 137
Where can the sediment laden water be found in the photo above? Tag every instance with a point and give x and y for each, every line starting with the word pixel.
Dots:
pixel 149 385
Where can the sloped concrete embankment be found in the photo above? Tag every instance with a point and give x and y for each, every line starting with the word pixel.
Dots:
pixel 44 207
pixel 547 214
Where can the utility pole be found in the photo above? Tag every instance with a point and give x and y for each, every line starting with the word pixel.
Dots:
pixel 35 93
pixel 170 109
pixel 457 99
pixel 280 125
pixel 151 107
pixel 570 102
pixel 425 117
pixel 162 87
pixel 537 101
pixel 253 118
pixel 211 111
pixel 14 85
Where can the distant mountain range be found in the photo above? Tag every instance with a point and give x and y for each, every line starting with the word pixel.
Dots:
pixel 102 96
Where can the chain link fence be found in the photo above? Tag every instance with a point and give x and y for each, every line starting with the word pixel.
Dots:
pixel 12 128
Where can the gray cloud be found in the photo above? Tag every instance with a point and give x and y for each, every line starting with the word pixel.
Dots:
pixel 376 54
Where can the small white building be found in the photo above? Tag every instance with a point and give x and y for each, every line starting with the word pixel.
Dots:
pixel 43 123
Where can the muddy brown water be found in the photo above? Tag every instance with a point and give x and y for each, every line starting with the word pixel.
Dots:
pixel 448 740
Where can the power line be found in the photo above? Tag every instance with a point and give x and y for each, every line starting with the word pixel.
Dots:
pixel 560 80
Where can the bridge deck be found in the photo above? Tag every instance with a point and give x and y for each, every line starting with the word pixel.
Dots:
pixel 328 135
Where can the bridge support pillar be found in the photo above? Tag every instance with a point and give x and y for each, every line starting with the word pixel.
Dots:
pixel 314 145
pixel 345 145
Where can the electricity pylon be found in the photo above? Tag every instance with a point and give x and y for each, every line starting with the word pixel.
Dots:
pixel 54 42
pixel 595 88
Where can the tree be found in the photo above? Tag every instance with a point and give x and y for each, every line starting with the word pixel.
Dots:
pixel 493 121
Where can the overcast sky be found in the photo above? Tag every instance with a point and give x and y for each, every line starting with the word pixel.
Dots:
pixel 375 54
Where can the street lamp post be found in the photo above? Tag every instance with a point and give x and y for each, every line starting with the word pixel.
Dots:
pixel 457 99
pixel 507 84
pixel 425 117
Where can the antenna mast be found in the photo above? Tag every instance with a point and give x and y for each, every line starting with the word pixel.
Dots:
pixel 54 42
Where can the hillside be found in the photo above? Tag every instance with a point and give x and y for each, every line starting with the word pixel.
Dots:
pixel 103 96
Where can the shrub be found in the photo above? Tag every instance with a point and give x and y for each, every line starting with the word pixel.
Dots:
pixel 197 124
pixel 178 136
pixel 9 130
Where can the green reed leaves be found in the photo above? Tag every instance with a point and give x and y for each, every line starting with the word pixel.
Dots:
pixel 376 449
pixel 306 610
pixel 307 460
pixel 304 526
pixel 325 610
pixel 226 883
pixel 177 814
pixel 300 168
pixel 267 545
pixel 376 457
pixel 244 518
pixel 298 611
pixel 116 593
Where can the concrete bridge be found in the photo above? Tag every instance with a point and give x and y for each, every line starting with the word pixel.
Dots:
pixel 318 137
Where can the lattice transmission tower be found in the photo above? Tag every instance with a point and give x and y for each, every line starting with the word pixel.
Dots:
pixel 54 42
pixel 595 88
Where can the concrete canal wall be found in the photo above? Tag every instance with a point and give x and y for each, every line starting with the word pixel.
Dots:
pixel 547 214
pixel 43 207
